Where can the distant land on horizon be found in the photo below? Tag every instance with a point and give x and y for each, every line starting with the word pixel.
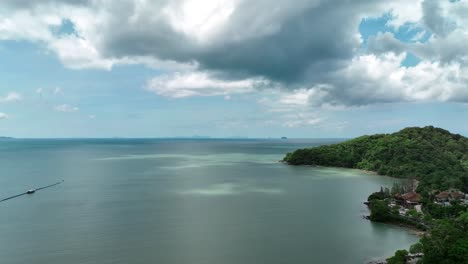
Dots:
pixel 183 137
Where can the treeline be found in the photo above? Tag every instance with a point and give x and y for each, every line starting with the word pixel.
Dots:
pixel 446 244
pixel 434 156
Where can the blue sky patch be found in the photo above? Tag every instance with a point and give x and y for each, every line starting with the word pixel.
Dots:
pixel 66 28
pixel 411 60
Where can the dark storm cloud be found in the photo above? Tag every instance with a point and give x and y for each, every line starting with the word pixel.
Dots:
pixel 282 41
pixel 320 34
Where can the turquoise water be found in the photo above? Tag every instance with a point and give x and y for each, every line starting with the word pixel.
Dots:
pixel 184 201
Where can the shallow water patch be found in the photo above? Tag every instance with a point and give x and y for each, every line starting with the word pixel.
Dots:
pixel 230 189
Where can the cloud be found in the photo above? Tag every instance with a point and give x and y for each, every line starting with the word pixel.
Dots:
pixel 31 3
pixel 11 97
pixel 371 79
pixel 241 37
pixel 223 47
pixel 448 25
pixel 58 91
pixel 292 109
pixel 436 18
pixel 419 36
pixel 180 85
pixel 66 108
pixel 403 12
pixel 385 42
pixel 303 96
pixel 3 116
pixel 301 119
pixel 368 79
pixel 79 53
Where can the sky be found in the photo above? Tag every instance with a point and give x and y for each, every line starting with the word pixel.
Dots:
pixel 231 68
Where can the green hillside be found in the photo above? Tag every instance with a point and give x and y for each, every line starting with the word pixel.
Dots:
pixel 434 156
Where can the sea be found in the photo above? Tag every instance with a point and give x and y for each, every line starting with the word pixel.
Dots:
pixel 177 201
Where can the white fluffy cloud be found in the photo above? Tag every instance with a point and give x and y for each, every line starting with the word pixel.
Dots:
pixel 381 78
pixel 187 84
pixel 301 119
pixel 3 116
pixel 291 109
pixel 447 23
pixel 404 11
pixel 303 96
pixel 66 108
pixel 11 97
pixel 253 44
pixel 58 91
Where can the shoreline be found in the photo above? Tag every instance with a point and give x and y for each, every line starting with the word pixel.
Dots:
pixel 408 228
pixel 335 167
pixel 411 229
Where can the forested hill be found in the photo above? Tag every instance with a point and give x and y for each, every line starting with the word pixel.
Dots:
pixel 432 155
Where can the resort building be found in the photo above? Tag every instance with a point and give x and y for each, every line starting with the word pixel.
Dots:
pixel 450 195
pixel 409 199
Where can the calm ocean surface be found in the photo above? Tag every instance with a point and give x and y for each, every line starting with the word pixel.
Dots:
pixel 184 201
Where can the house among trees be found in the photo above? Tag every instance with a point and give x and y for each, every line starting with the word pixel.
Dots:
pixel 450 195
pixel 409 199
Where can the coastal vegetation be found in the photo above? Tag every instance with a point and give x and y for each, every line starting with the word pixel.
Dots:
pixel 448 241
pixel 447 223
pixel 399 257
pixel 433 156
pixel 382 212
pixel 433 164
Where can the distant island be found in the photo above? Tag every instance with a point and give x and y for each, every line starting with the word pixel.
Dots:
pixel 5 138
pixel 432 198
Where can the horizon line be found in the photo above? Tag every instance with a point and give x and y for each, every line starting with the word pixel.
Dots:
pixel 175 137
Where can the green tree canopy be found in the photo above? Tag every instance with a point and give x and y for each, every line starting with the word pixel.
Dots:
pixel 379 211
pixel 435 157
pixel 398 258
pixel 447 242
